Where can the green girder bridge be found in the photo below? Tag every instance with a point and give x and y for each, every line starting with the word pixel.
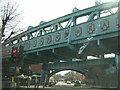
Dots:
pixel 66 42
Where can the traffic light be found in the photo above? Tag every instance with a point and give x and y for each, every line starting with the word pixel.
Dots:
pixel 14 52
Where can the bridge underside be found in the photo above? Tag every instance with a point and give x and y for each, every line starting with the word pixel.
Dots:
pixel 75 51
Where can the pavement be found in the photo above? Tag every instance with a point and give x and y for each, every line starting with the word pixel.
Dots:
pixel 64 86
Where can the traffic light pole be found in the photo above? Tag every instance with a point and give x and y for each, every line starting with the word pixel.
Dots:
pixel 15 72
pixel 14 82
pixel 14 57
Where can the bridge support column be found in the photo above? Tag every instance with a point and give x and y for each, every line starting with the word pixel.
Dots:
pixel 44 76
pixel 42 79
pixel 99 77
pixel 118 69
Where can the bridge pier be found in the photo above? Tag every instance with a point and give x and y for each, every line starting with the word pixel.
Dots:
pixel 107 76
pixel 118 69
pixel 44 75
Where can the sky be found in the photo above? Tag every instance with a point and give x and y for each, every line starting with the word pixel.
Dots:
pixel 34 11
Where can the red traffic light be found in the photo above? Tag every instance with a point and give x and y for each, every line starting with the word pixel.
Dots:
pixel 14 51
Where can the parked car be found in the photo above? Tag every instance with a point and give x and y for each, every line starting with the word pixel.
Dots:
pixel 77 83
pixel 68 82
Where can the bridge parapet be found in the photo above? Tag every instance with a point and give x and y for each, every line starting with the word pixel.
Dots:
pixel 82 64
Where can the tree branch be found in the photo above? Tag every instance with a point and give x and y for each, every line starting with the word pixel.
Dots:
pixel 9 36
pixel 8 15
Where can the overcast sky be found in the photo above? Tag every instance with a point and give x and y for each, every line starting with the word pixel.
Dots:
pixel 35 11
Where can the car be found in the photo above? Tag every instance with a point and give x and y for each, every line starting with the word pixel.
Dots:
pixel 77 83
pixel 68 82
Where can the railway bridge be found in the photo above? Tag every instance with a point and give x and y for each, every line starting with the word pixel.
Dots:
pixel 66 43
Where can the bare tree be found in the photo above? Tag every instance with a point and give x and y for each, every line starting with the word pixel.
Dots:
pixel 72 76
pixel 56 77
pixel 9 17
